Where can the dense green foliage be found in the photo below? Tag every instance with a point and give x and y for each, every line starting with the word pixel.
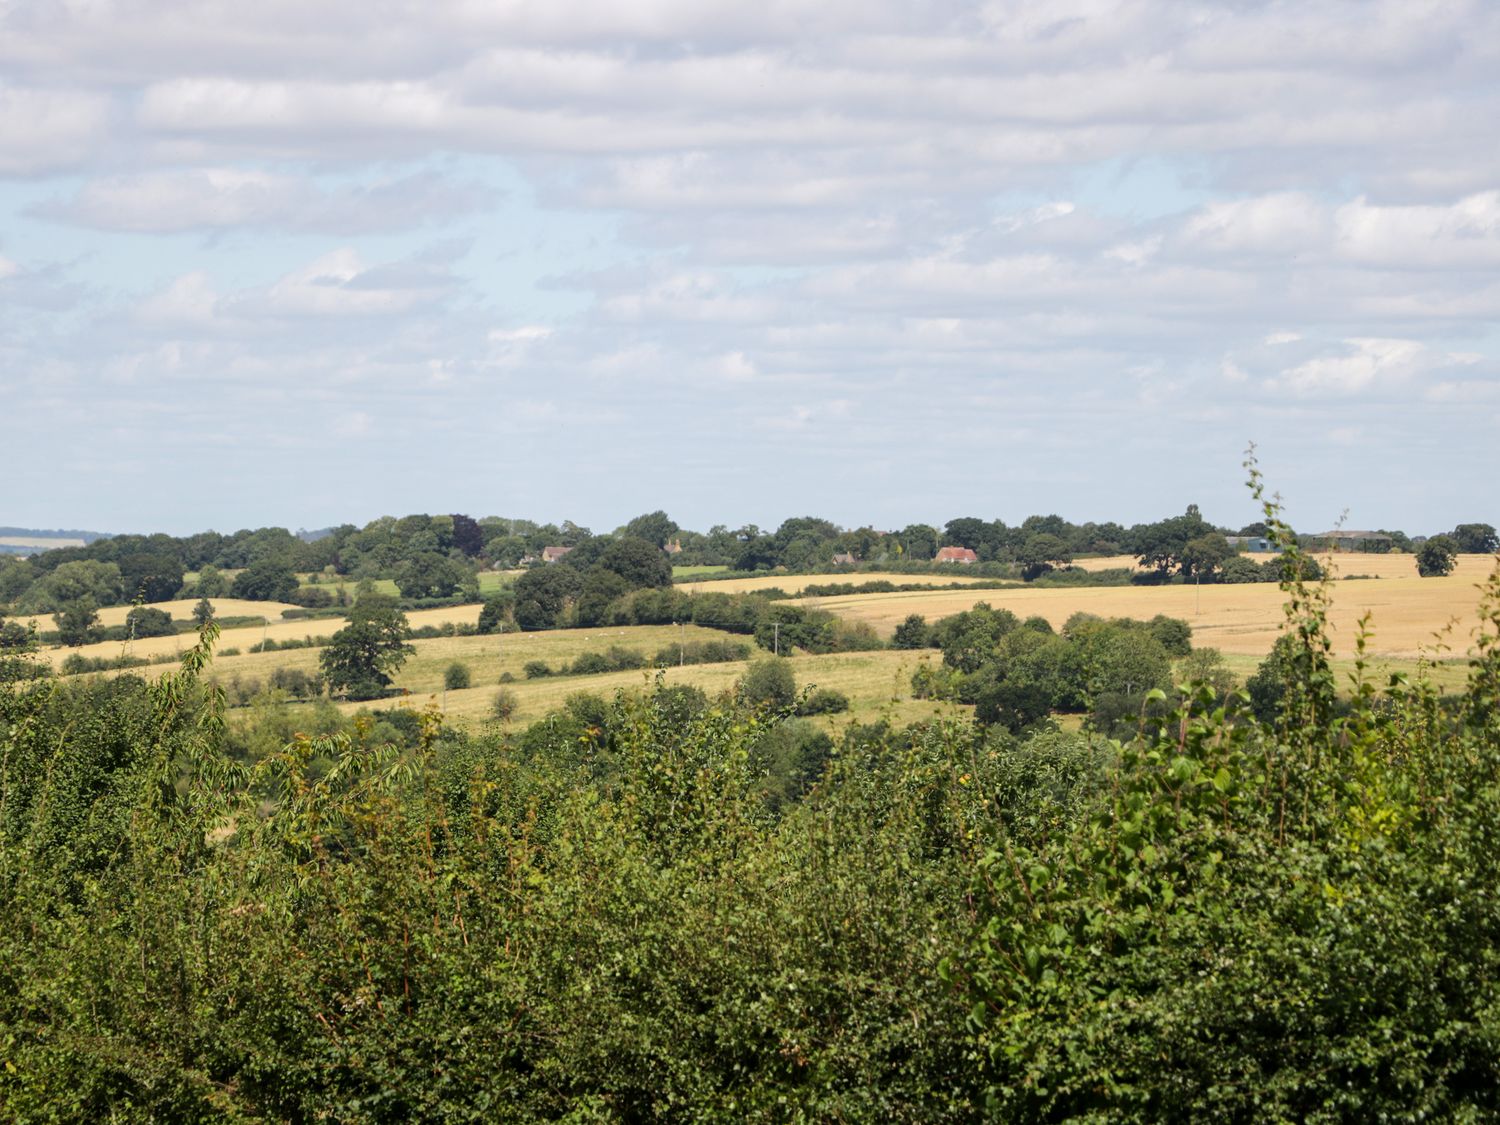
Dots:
pixel 1293 922
pixel 665 907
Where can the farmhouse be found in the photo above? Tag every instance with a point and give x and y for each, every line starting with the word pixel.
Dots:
pixel 844 559
pixel 960 555
pixel 553 554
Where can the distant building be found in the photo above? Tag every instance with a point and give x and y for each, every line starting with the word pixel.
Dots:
pixel 1255 544
pixel 960 555
pixel 1371 542
pixel 553 554
pixel 674 547
pixel 844 559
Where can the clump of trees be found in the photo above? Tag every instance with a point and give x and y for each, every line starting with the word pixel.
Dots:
pixel 1017 673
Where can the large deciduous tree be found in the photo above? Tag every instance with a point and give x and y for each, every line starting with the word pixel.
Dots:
pixel 265 581
pixel 153 576
pixel 429 574
pixel 362 656
pixel 638 561
pixel 78 622
pixel 1436 557
pixel 654 527
pixel 1040 553
pixel 544 596
pixel 468 536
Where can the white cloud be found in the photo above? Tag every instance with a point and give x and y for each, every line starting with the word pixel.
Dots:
pixel 340 284
pixel 1370 363
pixel 1461 235
pixel 736 366
pixel 1281 224
pixel 983 222
pixel 190 299
pixel 47 130
pixel 175 200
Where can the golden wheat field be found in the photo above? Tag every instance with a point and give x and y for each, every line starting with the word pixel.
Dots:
pixel 1344 563
pixel 1406 611
pixel 180 610
pixel 795 583
pixel 242 637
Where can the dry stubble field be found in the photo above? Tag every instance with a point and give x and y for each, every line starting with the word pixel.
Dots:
pixel 1244 618
pixel 795 583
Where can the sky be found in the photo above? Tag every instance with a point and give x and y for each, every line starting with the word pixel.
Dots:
pixel 881 261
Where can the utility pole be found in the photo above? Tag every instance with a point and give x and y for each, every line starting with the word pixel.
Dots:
pixel 776 638
pixel 681 641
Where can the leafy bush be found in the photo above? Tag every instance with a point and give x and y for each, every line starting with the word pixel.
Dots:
pixel 148 621
pixel 311 597
pixel 535 669
pixel 456 676
pixel 823 701
pixel 505 704
pixel 769 682
pixel 912 633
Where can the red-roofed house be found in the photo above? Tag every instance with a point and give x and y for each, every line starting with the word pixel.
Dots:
pixel 956 555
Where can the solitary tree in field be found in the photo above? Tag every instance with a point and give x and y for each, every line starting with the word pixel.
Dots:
pixel 78 621
pixel 1435 558
pixel 361 657
pixel 203 612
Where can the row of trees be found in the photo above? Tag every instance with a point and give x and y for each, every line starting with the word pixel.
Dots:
pixel 438 556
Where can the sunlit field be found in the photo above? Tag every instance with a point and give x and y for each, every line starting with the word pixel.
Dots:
pixel 792 583
pixel 1346 564
pixel 1240 618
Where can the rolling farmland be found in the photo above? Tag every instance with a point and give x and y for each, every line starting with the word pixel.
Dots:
pixel 1242 619
pixel 795 583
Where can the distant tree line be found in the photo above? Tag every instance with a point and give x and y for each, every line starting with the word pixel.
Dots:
pixel 435 558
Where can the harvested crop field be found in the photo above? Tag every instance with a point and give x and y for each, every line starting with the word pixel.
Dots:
pixel 1346 564
pixel 246 635
pixel 180 610
pixel 794 583
pixel 1233 618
